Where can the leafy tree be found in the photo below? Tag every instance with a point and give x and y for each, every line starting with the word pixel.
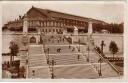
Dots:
pixel 113 48
pixel 14 51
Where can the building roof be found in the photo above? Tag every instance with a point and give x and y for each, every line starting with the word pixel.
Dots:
pixel 50 13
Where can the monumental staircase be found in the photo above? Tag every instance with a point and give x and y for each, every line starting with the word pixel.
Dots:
pixel 36 56
pixel 37 63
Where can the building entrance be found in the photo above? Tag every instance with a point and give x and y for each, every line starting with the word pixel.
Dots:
pixel 32 39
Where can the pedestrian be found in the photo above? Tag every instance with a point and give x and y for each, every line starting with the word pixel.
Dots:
pixel 47 61
pixel 63 39
pixel 59 50
pixel 73 49
pixel 69 46
pixel 78 57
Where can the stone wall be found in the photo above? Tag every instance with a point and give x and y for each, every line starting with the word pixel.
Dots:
pixel 107 38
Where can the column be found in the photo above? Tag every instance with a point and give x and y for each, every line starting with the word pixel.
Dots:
pixel 90 30
pixel 25 25
pixel 75 35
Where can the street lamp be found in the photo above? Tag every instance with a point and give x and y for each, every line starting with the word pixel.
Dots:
pixel 52 63
pixel 11 48
pixel 27 64
pixel 41 37
pixel 88 49
pixel 33 73
pixel 99 72
pixel 79 46
pixel 48 56
pixel 102 46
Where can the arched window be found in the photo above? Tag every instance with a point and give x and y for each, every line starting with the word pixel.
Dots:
pixel 32 39
pixel 51 23
pixel 48 23
pixel 45 23
pixel 55 24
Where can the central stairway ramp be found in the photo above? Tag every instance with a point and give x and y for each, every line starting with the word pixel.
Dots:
pixel 37 62
pixel 36 56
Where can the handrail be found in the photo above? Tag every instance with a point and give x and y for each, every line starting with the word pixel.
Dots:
pixel 109 63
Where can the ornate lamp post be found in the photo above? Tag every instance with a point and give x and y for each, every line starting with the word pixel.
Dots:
pixel 102 46
pixel 52 63
pixel 25 42
pixel 27 63
pixel 48 56
pixel 11 48
pixel 33 73
pixel 100 61
pixel 88 49
pixel 79 45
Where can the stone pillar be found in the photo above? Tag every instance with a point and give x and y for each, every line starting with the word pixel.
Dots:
pixel 75 35
pixel 90 30
pixel 38 36
pixel 25 25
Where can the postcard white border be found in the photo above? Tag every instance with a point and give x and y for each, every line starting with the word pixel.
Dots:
pixel 124 79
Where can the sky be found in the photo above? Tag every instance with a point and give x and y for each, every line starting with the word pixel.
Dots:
pixel 110 12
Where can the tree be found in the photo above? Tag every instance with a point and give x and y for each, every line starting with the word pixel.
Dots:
pixel 14 50
pixel 113 48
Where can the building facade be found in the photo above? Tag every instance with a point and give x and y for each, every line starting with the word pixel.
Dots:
pixel 49 21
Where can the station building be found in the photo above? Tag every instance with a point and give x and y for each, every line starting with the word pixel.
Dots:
pixel 49 21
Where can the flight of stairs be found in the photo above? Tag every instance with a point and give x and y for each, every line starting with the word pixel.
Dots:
pixel 67 59
pixel 36 56
pixel 37 62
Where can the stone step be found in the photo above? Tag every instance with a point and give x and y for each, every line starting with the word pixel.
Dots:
pixel 64 59
pixel 37 51
pixel 33 49
pixel 69 62
pixel 37 60
pixel 40 63
pixel 36 56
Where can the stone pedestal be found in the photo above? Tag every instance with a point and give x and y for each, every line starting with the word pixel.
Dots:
pixel 23 56
pixel 90 30
pixel 38 36
pixel 75 35
pixel 25 25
